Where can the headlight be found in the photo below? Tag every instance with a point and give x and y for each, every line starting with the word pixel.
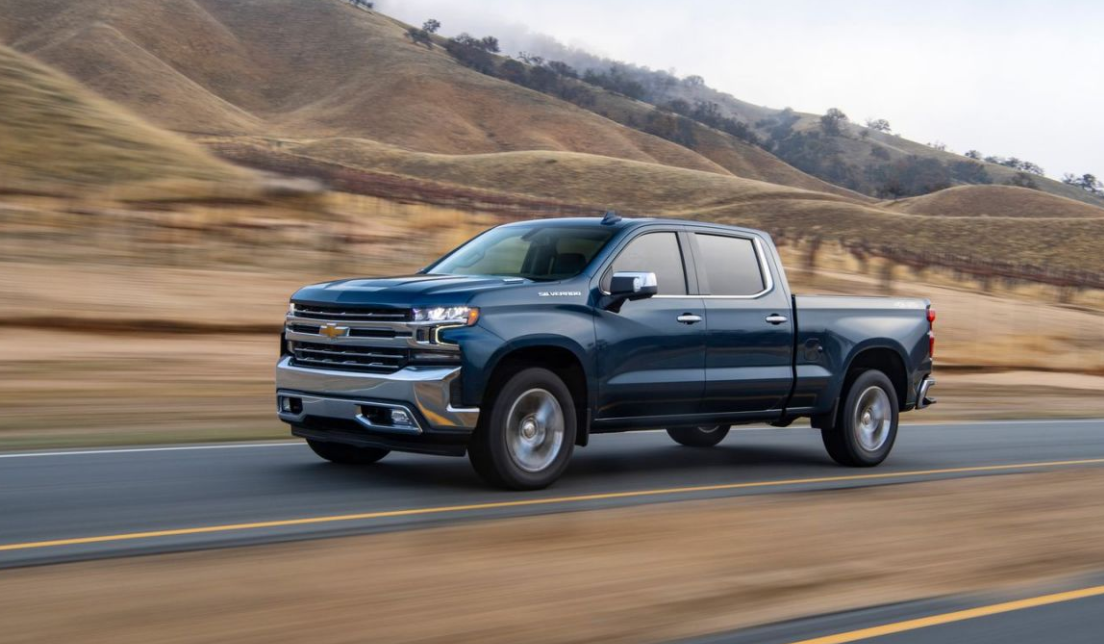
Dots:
pixel 291 308
pixel 447 315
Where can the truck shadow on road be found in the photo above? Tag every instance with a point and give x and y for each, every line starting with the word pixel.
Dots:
pixel 589 470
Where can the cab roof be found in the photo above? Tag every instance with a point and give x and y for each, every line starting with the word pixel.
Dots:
pixel 625 223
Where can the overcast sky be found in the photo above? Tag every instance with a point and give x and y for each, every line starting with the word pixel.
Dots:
pixel 1010 78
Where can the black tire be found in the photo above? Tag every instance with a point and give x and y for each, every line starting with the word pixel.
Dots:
pixel 347 454
pixel 699 436
pixel 502 450
pixel 853 443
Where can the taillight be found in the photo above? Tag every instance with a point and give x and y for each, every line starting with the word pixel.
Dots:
pixel 931 332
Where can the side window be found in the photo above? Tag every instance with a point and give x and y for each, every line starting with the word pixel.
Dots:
pixel 730 265
pixel 657 253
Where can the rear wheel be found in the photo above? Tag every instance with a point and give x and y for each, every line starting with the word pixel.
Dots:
pixel 699 436
pixel 347 454
pixel 867 424
pixel 525 439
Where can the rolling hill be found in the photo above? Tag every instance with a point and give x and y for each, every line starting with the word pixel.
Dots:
pixel 322 81
pixel 995 201
pixel 321 68
pixel 1064 243
pixel 627 185
pixel 54 131
pixel 854 150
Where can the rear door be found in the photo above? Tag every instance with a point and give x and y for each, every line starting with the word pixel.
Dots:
pixel 651 354
pixel 749 346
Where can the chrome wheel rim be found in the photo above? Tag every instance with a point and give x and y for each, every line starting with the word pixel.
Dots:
pixel 535 430
pixel 873 418
pixel 709 430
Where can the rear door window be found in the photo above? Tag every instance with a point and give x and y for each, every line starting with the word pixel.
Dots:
pixel 728 265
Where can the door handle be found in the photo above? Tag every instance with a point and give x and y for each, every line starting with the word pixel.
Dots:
pixel 689 318
pixel 774 318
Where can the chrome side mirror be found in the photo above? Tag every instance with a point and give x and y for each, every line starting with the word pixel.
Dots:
pixel 630 285
pixel 633 285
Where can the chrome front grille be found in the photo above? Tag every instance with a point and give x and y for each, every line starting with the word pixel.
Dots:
pixel 352 357
pixel 369 339
pixel 354 332
pixel 346 314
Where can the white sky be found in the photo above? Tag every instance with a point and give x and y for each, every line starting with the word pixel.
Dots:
pixel 1010 78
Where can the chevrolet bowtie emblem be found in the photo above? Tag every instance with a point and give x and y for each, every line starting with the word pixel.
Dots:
pixel 332 331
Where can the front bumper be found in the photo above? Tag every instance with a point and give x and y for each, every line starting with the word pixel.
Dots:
pixel 351 402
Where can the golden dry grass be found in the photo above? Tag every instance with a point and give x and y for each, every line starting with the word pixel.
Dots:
pixel 855 150
pixel 1057 243
pixel 645 574
pixel 649 189
pixel 52 130
pixel 602 181
pixel 310 69
pixel 995 201
pixel 322 68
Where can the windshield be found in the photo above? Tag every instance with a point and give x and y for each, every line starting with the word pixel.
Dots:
pixel 533 252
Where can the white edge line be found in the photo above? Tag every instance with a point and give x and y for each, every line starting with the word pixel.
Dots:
pixel 130 450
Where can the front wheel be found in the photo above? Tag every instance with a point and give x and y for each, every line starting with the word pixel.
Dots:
pixel 867 425
pixel 525 439
pixel 347 454
pixel 699 436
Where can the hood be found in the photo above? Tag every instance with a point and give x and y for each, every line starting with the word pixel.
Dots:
pixel 405 290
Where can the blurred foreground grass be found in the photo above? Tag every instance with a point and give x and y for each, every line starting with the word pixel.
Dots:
pixel 68 389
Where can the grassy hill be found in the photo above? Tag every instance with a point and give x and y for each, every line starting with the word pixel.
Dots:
pixel 54 130
pixel 856 151
pixel 321 68
pixel 845 161
pixel 995 201
pixel 1064 243
pixel 603 181
pixel 323 81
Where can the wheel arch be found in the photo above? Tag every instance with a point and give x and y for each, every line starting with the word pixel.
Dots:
pixel 563 359
pixel 887 359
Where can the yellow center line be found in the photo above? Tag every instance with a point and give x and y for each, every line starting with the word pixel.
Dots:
pixel 560 500
pixel 957 616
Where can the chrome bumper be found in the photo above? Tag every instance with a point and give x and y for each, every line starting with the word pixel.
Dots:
pixel 922 399
pixel 343 394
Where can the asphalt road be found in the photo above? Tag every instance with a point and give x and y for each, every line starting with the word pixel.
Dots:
pixel 100 503
pixel 1073 615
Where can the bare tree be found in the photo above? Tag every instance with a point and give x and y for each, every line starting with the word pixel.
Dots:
pixel 1087 182
pixel 878 125
pixel 424 36
pixel 1023 180
pixel 833 122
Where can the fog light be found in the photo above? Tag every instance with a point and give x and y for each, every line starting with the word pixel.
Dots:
pixel 289 405
pixel 400 418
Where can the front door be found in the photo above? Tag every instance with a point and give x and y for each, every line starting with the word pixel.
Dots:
pixel 651 354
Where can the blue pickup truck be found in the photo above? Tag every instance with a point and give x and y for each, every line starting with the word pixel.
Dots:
pixel 520 344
